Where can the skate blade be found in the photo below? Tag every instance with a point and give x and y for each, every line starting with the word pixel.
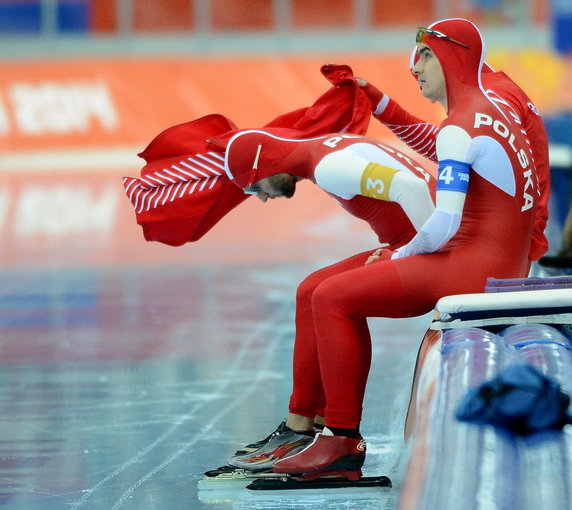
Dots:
pixel 353 476
pixel 231 479
pixel 226 487
pixel 230 470
pixel 286 482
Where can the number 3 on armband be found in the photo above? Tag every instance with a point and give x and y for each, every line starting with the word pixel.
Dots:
pixel 378 185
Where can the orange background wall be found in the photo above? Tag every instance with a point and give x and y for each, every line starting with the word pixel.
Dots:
pixel 117 102
pixel 63 123
pixel 146 96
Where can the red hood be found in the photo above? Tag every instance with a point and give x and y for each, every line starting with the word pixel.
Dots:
pixel 415 57
pixel 461 66
pixel 254 154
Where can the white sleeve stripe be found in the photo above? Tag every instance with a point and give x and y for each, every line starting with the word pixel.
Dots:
pixel 382 105
pixel 420 137
pixel 423 135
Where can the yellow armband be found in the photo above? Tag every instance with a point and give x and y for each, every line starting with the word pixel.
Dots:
pixel 376 180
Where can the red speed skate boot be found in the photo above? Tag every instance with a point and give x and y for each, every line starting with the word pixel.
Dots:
pixel 327 455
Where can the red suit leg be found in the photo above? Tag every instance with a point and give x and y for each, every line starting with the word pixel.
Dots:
pixel 341 305
pixel 308 395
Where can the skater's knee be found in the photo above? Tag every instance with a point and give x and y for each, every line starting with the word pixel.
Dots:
pixel 327 296
pixel 306 289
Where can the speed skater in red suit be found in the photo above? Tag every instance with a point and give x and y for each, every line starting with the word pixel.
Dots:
pixel 485 213
pixel 421 136
pixel 370 180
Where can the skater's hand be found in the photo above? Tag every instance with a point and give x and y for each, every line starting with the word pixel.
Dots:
pixel 371 91
pixel 378 255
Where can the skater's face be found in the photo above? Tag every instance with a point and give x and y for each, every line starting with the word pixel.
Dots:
pixel 274 186
pixel 430 75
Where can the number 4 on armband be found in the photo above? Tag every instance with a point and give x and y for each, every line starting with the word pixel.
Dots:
pixel 446 174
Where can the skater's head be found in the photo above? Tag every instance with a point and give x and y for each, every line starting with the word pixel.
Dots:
pixel 449 60
pixel 274 186
pixel 267 163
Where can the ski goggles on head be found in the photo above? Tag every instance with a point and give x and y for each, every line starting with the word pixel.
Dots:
pixel 423 34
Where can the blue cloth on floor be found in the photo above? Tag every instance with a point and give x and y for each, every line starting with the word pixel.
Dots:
pixel 520 399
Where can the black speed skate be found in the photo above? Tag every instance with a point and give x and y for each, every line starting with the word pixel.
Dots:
pixel 249 448
pixel 256 460
pixel 280 444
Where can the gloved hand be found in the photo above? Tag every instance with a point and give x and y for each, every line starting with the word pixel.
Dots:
pixel 372 92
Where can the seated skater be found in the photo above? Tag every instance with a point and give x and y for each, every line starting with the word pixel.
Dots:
pixel 484 220
pixel 421 136
pixel 370 180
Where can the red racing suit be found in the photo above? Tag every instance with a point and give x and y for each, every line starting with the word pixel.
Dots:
pixel 421 136
pixel 482 152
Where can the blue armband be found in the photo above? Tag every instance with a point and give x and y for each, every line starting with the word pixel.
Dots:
pixel 453 175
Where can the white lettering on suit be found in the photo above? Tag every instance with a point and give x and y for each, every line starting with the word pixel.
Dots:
pixel 482 119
